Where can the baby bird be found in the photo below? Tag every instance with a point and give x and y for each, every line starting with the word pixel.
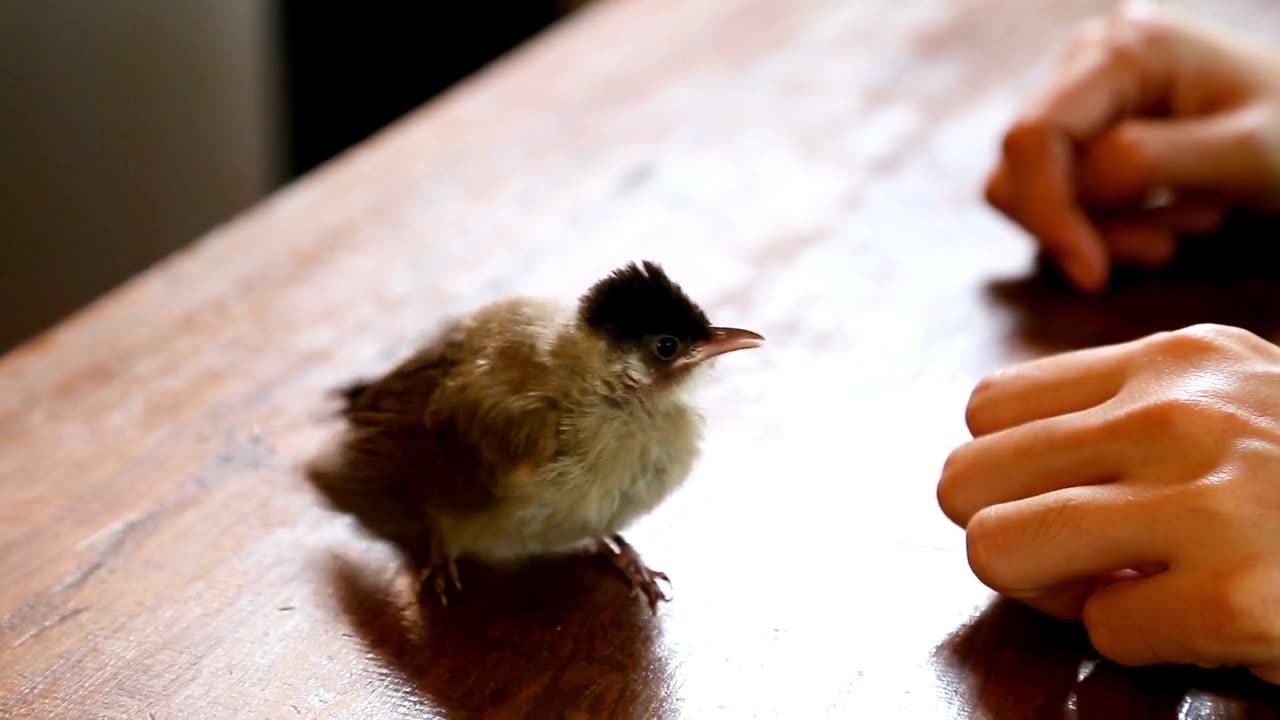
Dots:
pixel 531 427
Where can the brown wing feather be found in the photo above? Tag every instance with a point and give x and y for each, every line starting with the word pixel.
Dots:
pixel 375 474
pixel 464 413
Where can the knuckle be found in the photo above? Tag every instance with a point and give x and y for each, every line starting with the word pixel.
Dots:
pixel 1221 422
pixel 1193 341
pixel 1243 341
pixel 1164 417
pixel 1246 345
pixel 1197 426
pixel 1211 504
pixel 1190 341
pixel 1025 137
pixel 1129 160
pixel 1226 335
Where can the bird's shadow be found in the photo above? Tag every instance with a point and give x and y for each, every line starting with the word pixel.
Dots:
pixel 1011 662
pixel 560 636
pixel 552 638
pixel 1231 277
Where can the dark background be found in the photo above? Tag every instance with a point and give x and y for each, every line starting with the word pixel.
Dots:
pixel 349 71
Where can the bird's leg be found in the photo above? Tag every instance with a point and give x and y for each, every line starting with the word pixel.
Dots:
pixel 440 571
pixel 439 576
pixel 628 562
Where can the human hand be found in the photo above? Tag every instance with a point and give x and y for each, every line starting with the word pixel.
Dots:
pixel 1152 128
pixel 1135 487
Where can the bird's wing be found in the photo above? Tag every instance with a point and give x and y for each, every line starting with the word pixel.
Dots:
pixel 473 409
pixel 403 393
pixel 488 429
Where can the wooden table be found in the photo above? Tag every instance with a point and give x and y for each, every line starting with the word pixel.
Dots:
pixel 810 169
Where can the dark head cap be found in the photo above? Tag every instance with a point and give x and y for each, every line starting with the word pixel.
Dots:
pixel 638 303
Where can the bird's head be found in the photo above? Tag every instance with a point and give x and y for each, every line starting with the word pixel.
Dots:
pixel 647 318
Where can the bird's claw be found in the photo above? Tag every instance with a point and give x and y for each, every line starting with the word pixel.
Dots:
pixel 648 585
pixel 439 575
pixel 643 579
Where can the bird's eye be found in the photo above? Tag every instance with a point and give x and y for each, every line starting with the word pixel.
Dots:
pixel 666 347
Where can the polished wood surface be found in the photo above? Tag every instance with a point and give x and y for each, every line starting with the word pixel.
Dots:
pixel 809 169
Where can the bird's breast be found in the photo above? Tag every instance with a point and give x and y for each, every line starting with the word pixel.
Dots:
pixel 616 464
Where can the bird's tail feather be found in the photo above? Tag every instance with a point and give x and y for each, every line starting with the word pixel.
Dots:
pixel 350 394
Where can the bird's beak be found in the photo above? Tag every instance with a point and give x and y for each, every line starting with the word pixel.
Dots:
pixel 723 340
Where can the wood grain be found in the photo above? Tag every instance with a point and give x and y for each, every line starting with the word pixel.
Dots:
pixel 809 169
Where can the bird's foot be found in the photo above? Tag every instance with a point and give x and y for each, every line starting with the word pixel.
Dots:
pixel 642 578
pixel 439 575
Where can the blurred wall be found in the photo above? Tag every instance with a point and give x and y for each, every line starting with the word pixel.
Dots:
pixel 130 127
pixel 127 127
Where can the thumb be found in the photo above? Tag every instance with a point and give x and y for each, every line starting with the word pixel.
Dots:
pixel 1221 155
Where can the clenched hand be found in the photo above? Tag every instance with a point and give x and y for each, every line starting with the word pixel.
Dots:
pixel 1135 487
pixel 1152 128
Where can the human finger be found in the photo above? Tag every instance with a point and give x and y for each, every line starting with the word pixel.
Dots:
pixel 1114 70
pixel 1026 461
pixel 1045 387
pixel 1041 168
pixel 1150 237
pixel 1177 617
pixel 1217 155
pixel 1032 545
